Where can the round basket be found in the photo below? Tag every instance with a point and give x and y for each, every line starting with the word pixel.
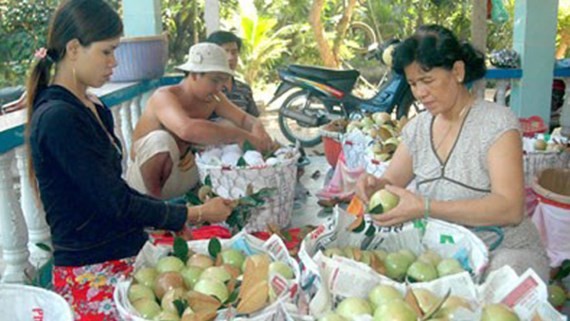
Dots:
pixel 553 184
pixel 232 183
pixel 332 145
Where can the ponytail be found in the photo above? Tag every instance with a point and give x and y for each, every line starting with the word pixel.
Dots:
pixel 38 79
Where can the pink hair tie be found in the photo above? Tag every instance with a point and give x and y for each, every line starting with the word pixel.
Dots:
pixel 40 53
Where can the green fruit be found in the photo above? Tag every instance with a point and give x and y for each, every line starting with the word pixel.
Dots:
pixel 191 274
pixel 556 295
pixel 282 269
pixel 396 310
pixel 382 201
pixel 233 257
pixel 351 307
pixel 146 276
pixel 213 288
pixel 431 257
pixel 139 291
pixel 380 254
pixel 382 294
pixel 422 272
pixel 169 264
pixel 409 255
pixel 396 265
pixel 147 308
pixel 498 312
pixel 449 266
pixel 217 273
pixel 200 260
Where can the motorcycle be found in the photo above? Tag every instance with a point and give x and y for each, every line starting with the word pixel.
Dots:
pixel 318 96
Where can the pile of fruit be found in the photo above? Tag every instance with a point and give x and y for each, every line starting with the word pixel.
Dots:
pixel 195 286
pixel 403 264
pixel 386 303
pixel 384 131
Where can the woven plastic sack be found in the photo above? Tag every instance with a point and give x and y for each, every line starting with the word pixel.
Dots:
pixel 552 214
pixel 353 145
pixel 232 183
pixel 23 302
pixel 447 239
pixel 274 246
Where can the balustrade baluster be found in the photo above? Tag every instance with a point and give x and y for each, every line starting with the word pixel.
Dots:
pixel 34 215
pixel 14 233
pixel 501 89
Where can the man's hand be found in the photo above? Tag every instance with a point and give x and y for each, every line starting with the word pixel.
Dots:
pixel 263 141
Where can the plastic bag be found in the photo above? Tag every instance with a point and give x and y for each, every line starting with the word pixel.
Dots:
pixel 498 12
pixel 22 302
pixel 553 223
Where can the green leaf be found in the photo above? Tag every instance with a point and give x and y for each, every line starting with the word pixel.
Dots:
pixel 370 231
pixel 180 305
pixel 264 192
pixel 563 272
pixel 44 247
pixel 192 198
pixel 43 277
pixel 208 181
pixel 247 146
pixel 241 162
pixel 214 247
pixel 180 248
pixel 287 236
pixel 233 297
pixel 248 201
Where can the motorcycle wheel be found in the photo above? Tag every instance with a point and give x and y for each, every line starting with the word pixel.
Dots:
pixel 292 129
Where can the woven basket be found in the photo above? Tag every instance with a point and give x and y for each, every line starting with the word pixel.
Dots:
pixel 140 58
pixel 232 183
pixel 535 162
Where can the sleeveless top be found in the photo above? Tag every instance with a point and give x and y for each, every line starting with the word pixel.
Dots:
pixel 465 173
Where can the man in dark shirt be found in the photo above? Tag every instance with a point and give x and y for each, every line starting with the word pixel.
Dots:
pixel 237 91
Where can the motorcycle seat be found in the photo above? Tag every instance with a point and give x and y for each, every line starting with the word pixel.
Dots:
pixel 323 73
pixel 341 79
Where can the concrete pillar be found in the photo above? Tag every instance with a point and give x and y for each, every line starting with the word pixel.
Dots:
pixel 142 18
pixel 212 16
pixel 534 39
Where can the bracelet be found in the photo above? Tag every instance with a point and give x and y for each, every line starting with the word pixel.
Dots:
pixel 199 215
pixel 427 207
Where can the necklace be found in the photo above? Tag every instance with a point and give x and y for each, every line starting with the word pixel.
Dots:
pixel 448 131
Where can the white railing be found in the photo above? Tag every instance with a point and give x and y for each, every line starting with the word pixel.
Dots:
pixel 22 219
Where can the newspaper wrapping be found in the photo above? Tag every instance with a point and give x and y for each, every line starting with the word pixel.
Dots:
pixel 326 278
pixel 286 290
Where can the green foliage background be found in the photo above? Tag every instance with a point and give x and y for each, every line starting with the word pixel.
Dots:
pixel 276 34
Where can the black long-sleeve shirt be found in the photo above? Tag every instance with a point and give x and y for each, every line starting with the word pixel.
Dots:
pixel 94 216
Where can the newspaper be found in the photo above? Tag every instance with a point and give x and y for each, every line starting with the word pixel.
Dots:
pixel 338 277
pixel 287 291
pixel 526 294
